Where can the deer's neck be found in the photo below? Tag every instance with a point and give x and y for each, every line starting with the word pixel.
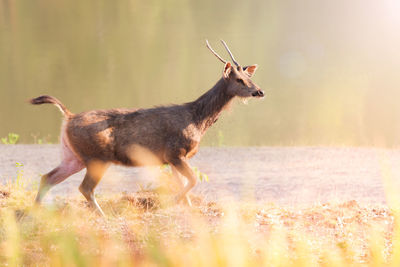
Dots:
pixel 207 108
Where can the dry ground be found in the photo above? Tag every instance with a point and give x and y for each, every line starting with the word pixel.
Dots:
pixel 140 229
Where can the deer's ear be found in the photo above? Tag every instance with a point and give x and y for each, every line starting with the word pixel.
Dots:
pixel 250 70
pixel 227 70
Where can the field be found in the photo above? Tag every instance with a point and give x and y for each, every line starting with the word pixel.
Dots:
pixel 301 166
pixel 142 228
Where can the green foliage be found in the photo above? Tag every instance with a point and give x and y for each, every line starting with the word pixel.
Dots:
pixel 19 182
pixel 41 140
pixel 11 139
pixel 200 175
pixel 145 187
pixel 166 168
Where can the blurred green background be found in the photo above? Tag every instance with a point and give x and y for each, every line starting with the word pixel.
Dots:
pixel 329 68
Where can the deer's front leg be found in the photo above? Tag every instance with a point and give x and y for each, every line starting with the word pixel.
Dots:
pixel 180 183
pixel 183 167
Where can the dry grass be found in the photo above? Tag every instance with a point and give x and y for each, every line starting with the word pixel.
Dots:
pixel 143 229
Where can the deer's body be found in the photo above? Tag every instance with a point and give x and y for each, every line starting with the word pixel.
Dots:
pixel 112 135
pixel 142 137
pixel 168 132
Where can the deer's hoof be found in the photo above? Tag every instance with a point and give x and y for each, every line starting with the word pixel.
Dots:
pixel 177 199
pixel 187 202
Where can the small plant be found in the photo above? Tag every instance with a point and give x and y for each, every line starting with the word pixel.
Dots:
pixel 20 172
pixel 146 187
pixel 11 139
pixel 41 140
pixel 200 175
pixel 166 168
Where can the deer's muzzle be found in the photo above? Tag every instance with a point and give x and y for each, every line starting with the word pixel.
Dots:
pixel 258 93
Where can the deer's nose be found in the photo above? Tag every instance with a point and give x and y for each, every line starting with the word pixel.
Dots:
pixel 258 93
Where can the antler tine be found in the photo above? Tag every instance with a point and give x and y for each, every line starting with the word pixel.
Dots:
pixel 230 53
pixel 215 53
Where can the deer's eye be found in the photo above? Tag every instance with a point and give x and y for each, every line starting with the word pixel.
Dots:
pixel 240 81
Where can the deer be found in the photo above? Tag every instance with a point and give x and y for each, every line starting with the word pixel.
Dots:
pixel 144 137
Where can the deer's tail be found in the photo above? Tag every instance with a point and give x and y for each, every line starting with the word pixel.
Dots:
pixel 46 99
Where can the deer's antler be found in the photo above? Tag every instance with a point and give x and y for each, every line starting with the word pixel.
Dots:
pixel 215 53
pixel 230 53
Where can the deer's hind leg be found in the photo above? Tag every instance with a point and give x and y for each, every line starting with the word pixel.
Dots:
pixel 94 173
pixel 69 165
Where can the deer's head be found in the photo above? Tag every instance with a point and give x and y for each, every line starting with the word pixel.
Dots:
pixel 238 78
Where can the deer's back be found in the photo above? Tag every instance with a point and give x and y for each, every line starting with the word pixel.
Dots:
pixel 133 137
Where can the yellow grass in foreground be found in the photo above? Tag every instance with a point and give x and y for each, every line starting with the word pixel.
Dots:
pixel 140 231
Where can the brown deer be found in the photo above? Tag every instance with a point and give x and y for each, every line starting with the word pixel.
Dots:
pixel 143 137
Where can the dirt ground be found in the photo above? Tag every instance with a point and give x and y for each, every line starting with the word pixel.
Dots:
pixel 283 175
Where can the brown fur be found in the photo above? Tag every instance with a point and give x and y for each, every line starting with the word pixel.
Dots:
pixel 138 137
